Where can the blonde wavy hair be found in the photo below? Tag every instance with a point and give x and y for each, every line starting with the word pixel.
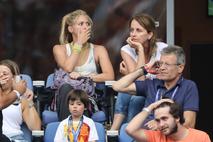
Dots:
pixel 67 20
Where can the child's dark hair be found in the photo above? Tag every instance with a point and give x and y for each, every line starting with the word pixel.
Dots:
pixel 77 94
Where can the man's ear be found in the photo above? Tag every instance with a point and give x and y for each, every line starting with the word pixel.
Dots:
pixel 180 68
pixel 177 120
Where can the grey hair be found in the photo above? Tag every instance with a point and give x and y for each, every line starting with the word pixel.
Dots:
pixel 177 51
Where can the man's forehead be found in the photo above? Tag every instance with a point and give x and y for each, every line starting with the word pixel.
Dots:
pixel 168 57
pixel 161 112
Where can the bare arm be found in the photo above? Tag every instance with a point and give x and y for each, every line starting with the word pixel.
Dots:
pixel 6 100
pixel 67 63
pixel 102 58
pixel 139 49
pixel 134 127
pixel 190 119
pixel 30 116
pixel 126 83
pixel 131 64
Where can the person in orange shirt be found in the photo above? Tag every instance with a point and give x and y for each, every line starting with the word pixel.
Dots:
pixel 169 118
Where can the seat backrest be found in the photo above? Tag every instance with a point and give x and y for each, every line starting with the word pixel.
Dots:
pixel 50 131
pixel 99 117
pixel 49 116
pixel 28 79
pixel 101 132
pixel 49 81
pixel 123 136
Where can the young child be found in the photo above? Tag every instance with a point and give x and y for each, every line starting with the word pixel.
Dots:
pixel 77 127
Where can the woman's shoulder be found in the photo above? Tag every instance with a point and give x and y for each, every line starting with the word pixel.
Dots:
pixel 129 50
pixel 59 47
pixel 99 48
pixel 97 45
pixel 126 47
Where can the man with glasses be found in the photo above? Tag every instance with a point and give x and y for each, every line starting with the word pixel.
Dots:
pixel 169 84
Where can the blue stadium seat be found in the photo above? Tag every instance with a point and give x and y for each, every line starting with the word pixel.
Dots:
pixel 49 133
pixel 123 136
pixel 28 79
pixel 48 117
pixel 49 81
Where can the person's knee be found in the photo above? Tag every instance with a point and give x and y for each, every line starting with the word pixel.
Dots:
pixel 122 103
pixel 121 110
pixel 135 106
pixel 137 101
pixel 65 88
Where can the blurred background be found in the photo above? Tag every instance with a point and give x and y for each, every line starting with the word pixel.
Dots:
pixel 30 28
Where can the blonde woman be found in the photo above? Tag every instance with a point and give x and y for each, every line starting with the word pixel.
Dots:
pixel 74 50
pixel 77 56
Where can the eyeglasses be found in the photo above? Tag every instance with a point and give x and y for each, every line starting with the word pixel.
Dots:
pixel 166 65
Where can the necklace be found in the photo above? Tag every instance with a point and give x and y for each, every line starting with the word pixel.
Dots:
pixel 72 131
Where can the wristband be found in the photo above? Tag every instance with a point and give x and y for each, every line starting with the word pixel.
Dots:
pixel 17 93
pixel 147 110
pixel 144 70
pixel 76 48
